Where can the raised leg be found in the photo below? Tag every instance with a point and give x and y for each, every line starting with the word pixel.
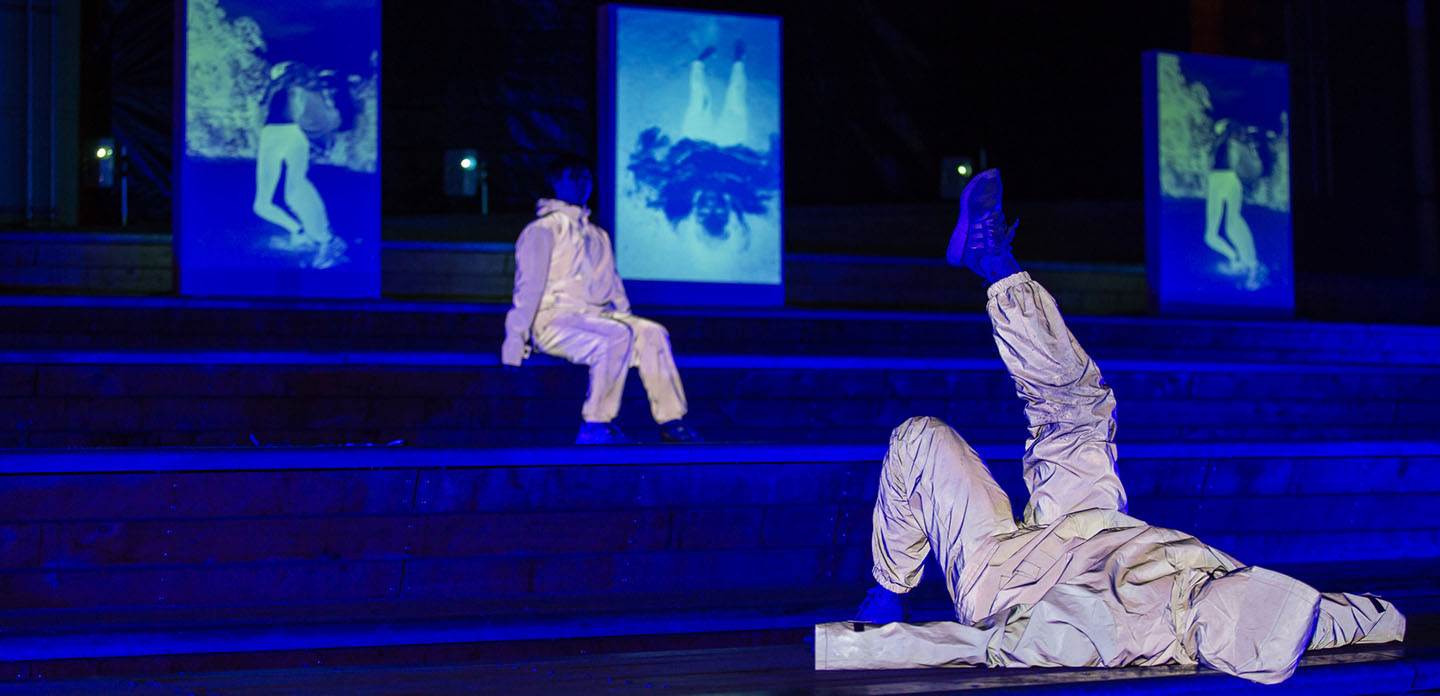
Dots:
pixel 734 123
pixel 1069 462
pixel 698 119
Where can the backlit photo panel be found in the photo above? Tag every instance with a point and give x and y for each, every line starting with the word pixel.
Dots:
pixel 279 169
pixel 694 152
pixel 1218 222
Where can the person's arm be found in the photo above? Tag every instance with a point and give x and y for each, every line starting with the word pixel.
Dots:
pixel 532 270
pixel 619 301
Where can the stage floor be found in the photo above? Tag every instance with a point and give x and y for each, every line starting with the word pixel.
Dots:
pixel 782 668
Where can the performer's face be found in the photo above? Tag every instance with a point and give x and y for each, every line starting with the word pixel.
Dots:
pixel 574 186
pixel 712 212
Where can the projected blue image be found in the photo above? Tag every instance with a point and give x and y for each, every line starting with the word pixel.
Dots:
pixel 1218 189
pixel 697 143
pixel 279 190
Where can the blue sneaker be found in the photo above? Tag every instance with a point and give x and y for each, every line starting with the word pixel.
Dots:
pixel 600 434
pixel 677 431
pixel 981 239
pixel 881 606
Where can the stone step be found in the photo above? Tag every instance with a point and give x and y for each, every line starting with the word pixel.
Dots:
pixel 599 526
pixel 195 324
pixel 88 398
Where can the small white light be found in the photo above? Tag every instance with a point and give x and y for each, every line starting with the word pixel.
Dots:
pixel 963 170
pixel 102 153
pixel 467 164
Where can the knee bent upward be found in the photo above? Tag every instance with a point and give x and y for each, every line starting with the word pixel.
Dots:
pixel 916 427
pixel 649 331
pixel 907 439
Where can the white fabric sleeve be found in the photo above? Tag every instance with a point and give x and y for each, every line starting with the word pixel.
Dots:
pixel 532 268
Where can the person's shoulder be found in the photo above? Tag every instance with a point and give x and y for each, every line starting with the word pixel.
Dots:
pixel 542 225
pixel 535 234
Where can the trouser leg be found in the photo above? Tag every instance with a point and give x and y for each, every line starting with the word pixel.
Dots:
pixel 1069 462
pixel 1350 619
pixel 734 123
pixel 1215 198
pixel 300 193
pixel 653 357
pixel 605 345
pixel 935 494
pixel 267 177
pixel 697 110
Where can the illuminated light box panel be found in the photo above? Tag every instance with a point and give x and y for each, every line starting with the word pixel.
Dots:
pixel 690 178
pixel 278 174
pixel 1217 185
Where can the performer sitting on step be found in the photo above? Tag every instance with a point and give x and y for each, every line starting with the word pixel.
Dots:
pixel 570 303
pixel 1076 582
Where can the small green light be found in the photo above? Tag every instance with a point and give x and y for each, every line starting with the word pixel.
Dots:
pixel 467 164
pixel 963 170
pixel 102 153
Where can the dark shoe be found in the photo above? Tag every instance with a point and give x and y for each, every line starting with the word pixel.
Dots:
pixel 600 434
pixel 677 431
pixel 881 606
pixel 981 240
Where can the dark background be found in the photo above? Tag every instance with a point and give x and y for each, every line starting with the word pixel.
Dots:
pixel 876 93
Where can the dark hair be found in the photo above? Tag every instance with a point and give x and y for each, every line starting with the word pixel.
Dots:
pixel 671 175
pixel 566 163
pixel 276 101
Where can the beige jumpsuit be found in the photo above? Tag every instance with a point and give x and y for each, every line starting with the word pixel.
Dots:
pixel 1077 582
pixel 570 303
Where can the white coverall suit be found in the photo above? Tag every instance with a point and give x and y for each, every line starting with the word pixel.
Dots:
pixel 1077 583
pixel 570 303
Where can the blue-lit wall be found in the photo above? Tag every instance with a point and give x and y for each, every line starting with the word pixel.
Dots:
pixel 279 184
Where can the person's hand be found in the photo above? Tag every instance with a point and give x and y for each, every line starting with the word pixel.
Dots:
pixel 513 352
pixel 709 51
pixel 739 50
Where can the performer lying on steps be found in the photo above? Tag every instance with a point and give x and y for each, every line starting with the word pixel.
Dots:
pixel 1076 582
